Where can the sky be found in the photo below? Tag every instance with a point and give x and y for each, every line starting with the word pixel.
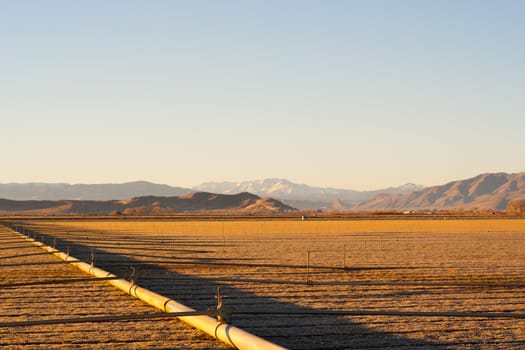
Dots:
pixel 350 94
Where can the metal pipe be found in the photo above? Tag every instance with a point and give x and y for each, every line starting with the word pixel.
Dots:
pixel 89 319
pixel 224 332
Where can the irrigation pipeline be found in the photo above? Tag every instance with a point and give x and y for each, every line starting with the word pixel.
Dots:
pixel 56 281
pixel 16 247
pixel 215 327
pixel 109 318
pixel 379 283
pixel 24 255
pixel 35 263
pixel 388 313
pixel 185 261
pixel 191 262
pixel 444 284
pixel 130 317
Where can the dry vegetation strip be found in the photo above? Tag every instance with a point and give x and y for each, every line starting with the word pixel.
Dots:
pixel 398 265
pixel 21 263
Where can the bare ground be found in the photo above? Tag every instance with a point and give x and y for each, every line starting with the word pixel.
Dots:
pixel 20 262
pixel 402 265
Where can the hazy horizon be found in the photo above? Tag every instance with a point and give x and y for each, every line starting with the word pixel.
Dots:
pixel 194 186
pixel 345 94
pixel 201 183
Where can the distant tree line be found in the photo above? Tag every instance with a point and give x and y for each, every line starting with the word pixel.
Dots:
pixel 145 210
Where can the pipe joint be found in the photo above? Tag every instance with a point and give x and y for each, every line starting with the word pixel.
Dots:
pixel 222 312
pixel 164 306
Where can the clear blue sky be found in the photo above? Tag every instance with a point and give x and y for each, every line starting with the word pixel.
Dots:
pixel 353 94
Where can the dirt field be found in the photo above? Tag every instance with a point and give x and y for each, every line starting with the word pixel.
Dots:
pixel 409 266
pixel 37 286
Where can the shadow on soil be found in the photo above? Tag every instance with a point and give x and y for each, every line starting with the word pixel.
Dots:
pixel 291 331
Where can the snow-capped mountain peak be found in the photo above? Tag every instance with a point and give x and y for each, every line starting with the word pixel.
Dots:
pixel 286 190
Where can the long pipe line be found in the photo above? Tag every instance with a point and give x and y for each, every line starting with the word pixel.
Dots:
pixel 8 241
pixel 135 239
pixel 222 331
pixel 369 283
pixel 138 240
pixel 112 318
pixel 35 263
pixel 459 314
pixel 96 237
pixel 23 255
pixel 56 281
pixel 217 238
pixel 16 247
pixel 188 261
pixel 166 248
pixel 108 318
pixel 352 283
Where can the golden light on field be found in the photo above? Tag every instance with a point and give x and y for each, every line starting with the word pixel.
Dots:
pixel 304 227
pixel 336 242
pixel 444 265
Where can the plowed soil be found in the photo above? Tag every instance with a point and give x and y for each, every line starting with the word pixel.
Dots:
pixel 292 268
pixel 37 286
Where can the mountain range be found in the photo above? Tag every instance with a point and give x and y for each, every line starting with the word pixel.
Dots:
pixel 295 195
pixel 63 191
pixel 485 191
pixel 193 203
pixel 303 196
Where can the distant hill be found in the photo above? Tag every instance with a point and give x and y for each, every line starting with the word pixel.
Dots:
pixel 62 191
pixel 295 195
pixel 203 202
pixel 300 195
pixel 486 191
